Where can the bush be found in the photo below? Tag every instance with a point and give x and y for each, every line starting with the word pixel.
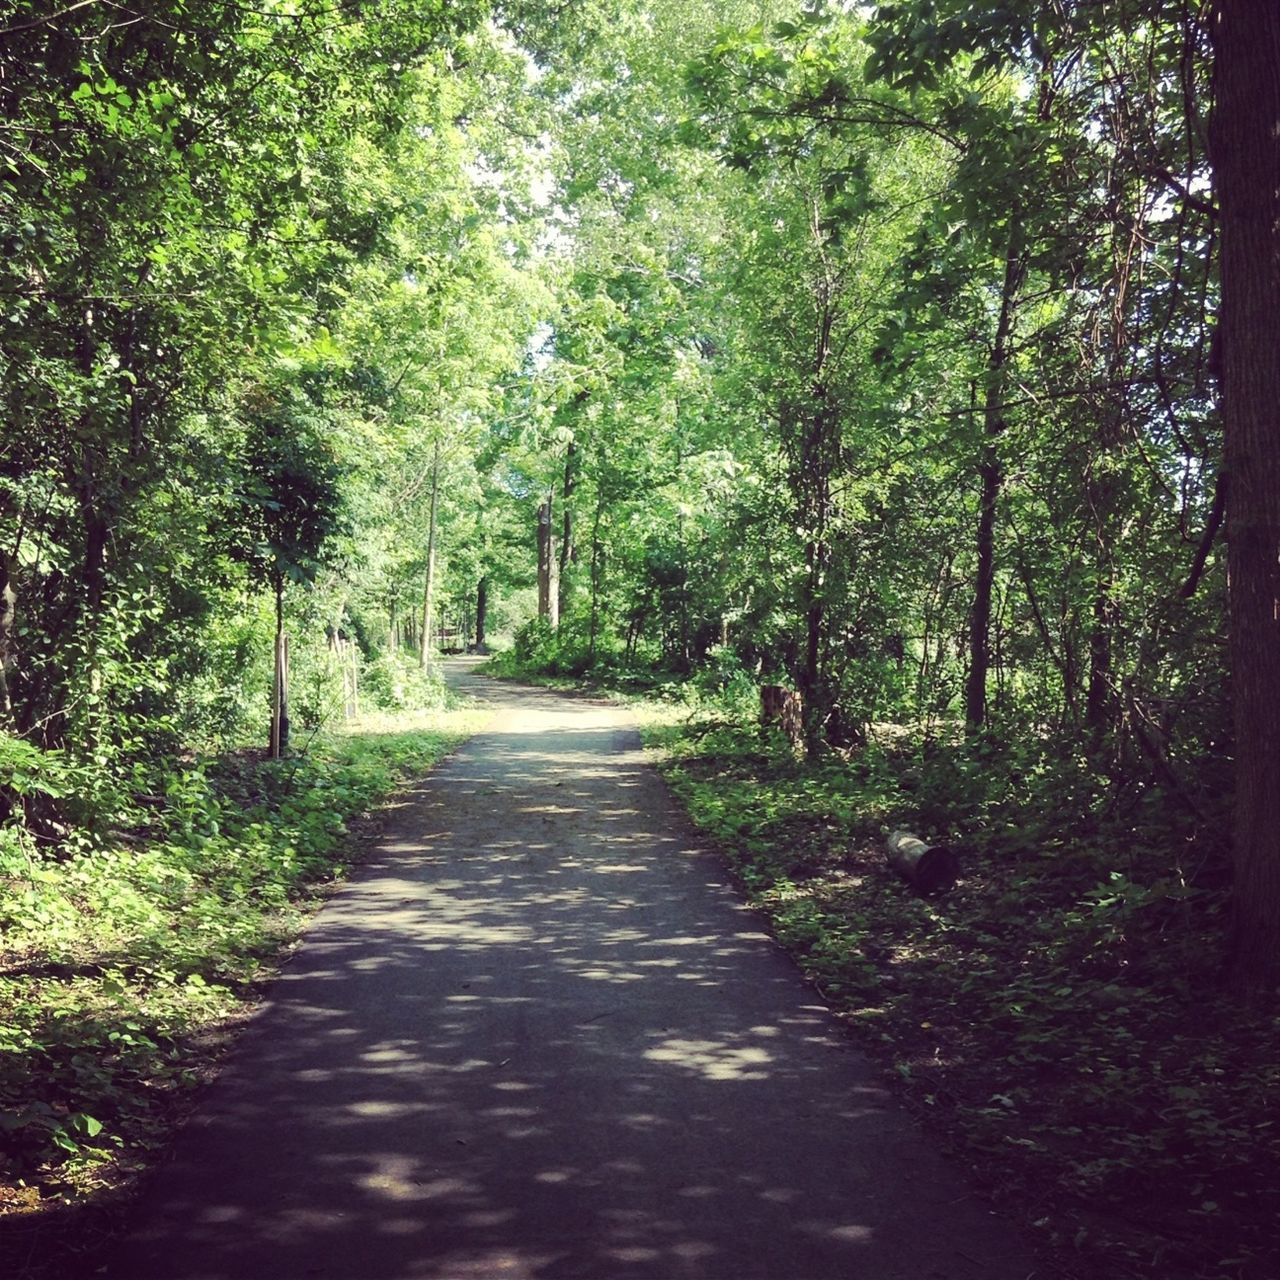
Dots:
pixel 536 645
pixel 395 682
pixel 726 681
pixel 223 692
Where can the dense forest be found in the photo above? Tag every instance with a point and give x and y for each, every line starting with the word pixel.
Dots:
pixel 918 358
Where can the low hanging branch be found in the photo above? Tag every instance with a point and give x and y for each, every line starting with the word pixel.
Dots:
pixel 1216 514
pixel 927 868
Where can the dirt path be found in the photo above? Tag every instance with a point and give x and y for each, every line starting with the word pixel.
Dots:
pixel 538 1037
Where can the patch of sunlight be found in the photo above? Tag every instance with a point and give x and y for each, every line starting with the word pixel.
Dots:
pixel 644 1120
pixel 375 1108
pixel 486 1217
pixel 712 1059
pixel 397 1181
pixel 453 931
pixel 692 1250
pixel 854 1233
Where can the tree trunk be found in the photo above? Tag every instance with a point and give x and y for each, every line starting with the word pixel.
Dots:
pixel 818 459
pixel 280 682
pixel 597 572
pixel 393 626
pixel 548 590
pixel 482 610
pixel 1098 700
pixel 428 589
pixel 553 567
pixel 814 456
pixel 1245 150
pixel 991 474
pixel 8 606
pixel 568 548
pixel 544 560
pixel 812 690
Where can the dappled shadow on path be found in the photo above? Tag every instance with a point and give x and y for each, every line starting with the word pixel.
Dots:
pixel 538 1038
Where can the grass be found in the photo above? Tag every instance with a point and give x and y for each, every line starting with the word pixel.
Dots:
pixel 1057 1019
pixel 126 964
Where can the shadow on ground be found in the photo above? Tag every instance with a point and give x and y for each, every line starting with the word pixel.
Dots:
pixel 538 1037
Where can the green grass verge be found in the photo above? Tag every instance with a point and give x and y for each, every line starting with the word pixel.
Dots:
pixel 123 966
pixel 1056 1018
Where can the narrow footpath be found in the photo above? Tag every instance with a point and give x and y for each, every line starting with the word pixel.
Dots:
pixel 538 1037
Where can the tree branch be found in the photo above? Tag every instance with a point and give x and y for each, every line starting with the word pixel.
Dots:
pixel 1216 513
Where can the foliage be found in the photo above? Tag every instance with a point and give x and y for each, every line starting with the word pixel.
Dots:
pixel 291 496
pixel 865 350
pixel 395 683
pixel 120 960
pixel 1056 1017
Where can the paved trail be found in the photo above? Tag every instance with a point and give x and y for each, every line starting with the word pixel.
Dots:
pixel 536 1038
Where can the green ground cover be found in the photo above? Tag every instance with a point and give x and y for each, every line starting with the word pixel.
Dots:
pixel 1057 1018
pixel 126 960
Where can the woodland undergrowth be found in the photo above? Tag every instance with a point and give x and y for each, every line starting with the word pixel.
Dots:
pixel 127 958
pixel 1057 1019
pixel 1057 1016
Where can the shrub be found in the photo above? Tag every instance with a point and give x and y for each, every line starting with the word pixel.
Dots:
pixel 395 682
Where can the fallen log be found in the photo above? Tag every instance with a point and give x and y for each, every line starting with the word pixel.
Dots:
pixel 928 868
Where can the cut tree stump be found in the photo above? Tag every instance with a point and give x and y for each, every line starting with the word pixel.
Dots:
pixel 928 868
pixel 783 707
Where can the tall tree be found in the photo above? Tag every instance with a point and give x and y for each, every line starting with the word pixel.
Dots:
pixel 1245 144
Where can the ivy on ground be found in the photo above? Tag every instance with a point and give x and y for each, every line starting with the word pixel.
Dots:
pixel 1055 1017
pixel 123 962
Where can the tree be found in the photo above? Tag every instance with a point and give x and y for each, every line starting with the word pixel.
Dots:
pixel 1246 161
pixel 292 509
pixel 137 309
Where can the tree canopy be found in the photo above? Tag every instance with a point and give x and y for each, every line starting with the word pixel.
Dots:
pixel 880 352
pixel 917 358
